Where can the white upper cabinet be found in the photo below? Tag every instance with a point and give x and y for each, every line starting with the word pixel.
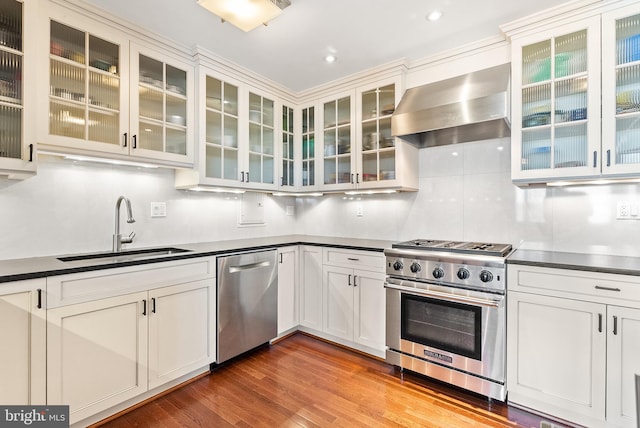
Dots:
pixel 109 96
pixel 337 118
pixel 239 137
pixel 17 140
pixel 575 96
pixel 621 91
pixel 556 103
pixel 358 151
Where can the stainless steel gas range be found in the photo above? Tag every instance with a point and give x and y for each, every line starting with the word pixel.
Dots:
pixel 446 313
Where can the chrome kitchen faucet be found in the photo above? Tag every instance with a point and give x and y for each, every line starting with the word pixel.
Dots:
pixel 118 240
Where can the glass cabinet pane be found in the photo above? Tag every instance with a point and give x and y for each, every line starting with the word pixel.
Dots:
pixel 286 150
pixel 11 114
pixel 221 127
pixel 11 59
pixel 261 139
pixel 378 146
pixel 627 123
pixel 84 85
pixel 308 147
pixel 11 24
pixel 162 106
pixel 570 54
pixel 554 103
pixel 337 141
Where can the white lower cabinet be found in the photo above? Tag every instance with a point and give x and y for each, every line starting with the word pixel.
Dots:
pixel 158 328
pixel 623 363
pixel 23 339
pixel 354 305
pixel 573 349
pixel 97 354
pixel 287 289
pixel 311 287
pixel 179 330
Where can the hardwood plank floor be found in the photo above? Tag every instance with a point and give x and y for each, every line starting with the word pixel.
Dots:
pixel 305 382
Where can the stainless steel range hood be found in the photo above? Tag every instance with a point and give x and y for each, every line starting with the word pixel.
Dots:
pixel 470 107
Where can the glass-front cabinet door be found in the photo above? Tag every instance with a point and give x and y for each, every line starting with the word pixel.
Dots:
pixel 221 130
pixel 337 142
pixel 377 153
pixel 88 108
pixel 287 176
pixel 261 154
pixel 16 142
pixel 308 166
pixel 621 91
pixel 161 119
pixel 556 120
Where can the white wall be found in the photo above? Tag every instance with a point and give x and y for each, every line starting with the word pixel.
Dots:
pixel 69 207
pixel 466 194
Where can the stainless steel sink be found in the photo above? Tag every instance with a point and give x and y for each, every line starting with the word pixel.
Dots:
pixel 124 255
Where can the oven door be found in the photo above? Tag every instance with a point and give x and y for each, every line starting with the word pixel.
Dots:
pixel 457 328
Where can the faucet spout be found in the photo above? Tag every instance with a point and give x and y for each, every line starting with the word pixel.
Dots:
pixel 118 240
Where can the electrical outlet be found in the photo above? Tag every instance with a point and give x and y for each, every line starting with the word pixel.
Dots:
pixel 359 210
pixel 624 210
pixel 628 210
pixel 158 209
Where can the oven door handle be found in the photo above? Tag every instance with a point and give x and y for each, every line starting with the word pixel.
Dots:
pixel 446 296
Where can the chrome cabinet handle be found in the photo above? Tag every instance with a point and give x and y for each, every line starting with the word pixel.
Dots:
pixel 615 326
pixel 598 287
pixel 595 158
pixel 609 157
pixel 349 279
pixel 599 323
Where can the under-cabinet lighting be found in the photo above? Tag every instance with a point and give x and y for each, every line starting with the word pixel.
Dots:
pixel 245 14
pixel 214 190
pixel 592 182
pixel 316 194
pixel 118 162
pixel 370 192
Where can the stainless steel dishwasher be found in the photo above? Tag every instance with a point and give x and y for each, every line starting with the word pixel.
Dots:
pixel 247 301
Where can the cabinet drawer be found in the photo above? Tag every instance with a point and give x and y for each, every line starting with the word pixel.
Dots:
pixel 86 286
pixel 595 286
pixel 351 258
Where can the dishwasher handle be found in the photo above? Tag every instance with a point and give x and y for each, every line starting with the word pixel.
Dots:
pixel 250 266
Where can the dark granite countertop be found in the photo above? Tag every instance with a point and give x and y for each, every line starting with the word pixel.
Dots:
pixel 39 267
pixel 620 265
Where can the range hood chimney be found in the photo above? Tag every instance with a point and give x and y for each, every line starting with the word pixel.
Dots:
pixel 466 108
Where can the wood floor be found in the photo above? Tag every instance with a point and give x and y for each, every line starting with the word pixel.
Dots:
pixel 305 382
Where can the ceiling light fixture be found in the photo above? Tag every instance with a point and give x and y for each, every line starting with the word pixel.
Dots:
pixel 434 15
pixel 330 58
pixel 245 14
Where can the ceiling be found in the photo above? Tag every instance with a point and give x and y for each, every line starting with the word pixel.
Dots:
pixel 362 33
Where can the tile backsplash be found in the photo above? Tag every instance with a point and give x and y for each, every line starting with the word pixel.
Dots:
pixel 465 194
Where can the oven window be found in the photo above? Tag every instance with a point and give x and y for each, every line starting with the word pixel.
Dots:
pixel 448 326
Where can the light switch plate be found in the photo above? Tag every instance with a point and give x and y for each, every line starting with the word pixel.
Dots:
pixel 158 209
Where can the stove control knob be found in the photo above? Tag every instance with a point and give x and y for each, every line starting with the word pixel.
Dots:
pixel 486 276
pixel 415 268
pixel 398 265
pixel 438 273
pixel 463 273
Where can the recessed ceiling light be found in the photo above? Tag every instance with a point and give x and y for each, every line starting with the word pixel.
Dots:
pixel 330 58
pixel 434 15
